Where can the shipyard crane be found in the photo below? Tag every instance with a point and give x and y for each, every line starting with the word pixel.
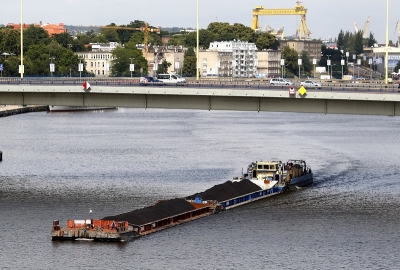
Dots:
pixel 365 28
pixel 397 29
pixel 297 10
pixel 145 29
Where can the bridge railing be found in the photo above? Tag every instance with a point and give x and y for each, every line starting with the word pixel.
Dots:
pixel 134 82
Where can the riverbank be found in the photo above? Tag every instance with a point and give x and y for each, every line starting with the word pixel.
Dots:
pixel 13 110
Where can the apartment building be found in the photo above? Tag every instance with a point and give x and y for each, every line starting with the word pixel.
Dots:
pixel 269 63
pixel 229 58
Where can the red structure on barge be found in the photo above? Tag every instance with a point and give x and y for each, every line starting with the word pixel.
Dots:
pixel 123 227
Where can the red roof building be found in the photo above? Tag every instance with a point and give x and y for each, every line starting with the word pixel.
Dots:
pixel 52 29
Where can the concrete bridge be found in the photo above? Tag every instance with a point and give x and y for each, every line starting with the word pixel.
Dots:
pixel 365 99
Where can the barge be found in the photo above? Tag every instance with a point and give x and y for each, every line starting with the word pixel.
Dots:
pixel 77 108
pixel 263 179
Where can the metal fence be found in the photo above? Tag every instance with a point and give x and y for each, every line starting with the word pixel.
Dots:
pixel 262 85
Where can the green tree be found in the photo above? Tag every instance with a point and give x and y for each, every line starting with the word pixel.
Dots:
pixel 64 39
pixel 205 38
pixel 267 41
pixel 219 28
pixel 244 33
pixel 137 37
pixel 189 63
pixel 121 62
pixel 335 56
pixel 91 34
pixel 177 40
pixel 11 66
pixel 109 35
pixel 35 35
pixel 67 62
pixel 163 67
pixel 358 44
pixel 340 41
pixel 39 57
pixel 306 65
pixel 291 57
pixel 397 67
pixel 371 40
pixel 10 41
pixel 227 32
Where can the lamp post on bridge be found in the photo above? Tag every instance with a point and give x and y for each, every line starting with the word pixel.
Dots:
pixel 299 62
pixel 342 63
pixel 131 66
pixel 52 66
pixel 314 61
pixel 21 66
pixel 80 67
pixel 328 63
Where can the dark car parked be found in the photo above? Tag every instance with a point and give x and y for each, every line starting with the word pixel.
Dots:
pixel 148 80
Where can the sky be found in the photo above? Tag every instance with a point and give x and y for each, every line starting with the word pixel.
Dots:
pixel 325 19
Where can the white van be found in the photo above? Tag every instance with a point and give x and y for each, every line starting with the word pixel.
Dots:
pixel 171 78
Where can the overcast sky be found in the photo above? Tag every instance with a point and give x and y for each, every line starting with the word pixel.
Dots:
pixel 324 18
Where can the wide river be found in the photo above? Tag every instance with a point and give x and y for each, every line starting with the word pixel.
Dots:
pixel 62 165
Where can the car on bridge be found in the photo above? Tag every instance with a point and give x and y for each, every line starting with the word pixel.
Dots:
pixel 280 81
pixel 311 84
pixel 148 80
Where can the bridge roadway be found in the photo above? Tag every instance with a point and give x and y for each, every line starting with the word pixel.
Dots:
pixel 364 99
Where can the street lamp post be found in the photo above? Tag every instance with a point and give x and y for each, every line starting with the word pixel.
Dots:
pixel 80 67
pixel 107 69
pixel 52 66
pixel 358 67
pixel 328 63
pixel 314 61
pixel 177 65
pixel 197 42
pixel 342 63
pixel 21 67
pixel 283 67
pixel 155 67
pixel 299 62
pixel 387 43
pixel 370 67
pixel 131 66
pixel 354 62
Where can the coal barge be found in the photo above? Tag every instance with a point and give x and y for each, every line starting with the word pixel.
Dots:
pixel 263 179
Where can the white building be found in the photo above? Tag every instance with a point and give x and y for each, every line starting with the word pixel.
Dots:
pixel 104 47
pixel 243 62
pixel 98 61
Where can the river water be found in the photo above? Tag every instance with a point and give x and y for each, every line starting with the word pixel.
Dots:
pixel 62 165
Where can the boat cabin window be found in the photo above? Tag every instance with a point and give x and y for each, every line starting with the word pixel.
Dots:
pixel 259 167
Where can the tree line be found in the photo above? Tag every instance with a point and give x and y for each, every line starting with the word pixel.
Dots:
pixel 40 49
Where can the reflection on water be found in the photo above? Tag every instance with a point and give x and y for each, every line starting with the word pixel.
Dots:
pixel 58 166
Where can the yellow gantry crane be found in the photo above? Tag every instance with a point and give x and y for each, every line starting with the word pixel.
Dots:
pixel 145 29
pixel 298 10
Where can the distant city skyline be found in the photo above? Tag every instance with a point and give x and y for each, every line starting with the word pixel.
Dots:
pixel 324 19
